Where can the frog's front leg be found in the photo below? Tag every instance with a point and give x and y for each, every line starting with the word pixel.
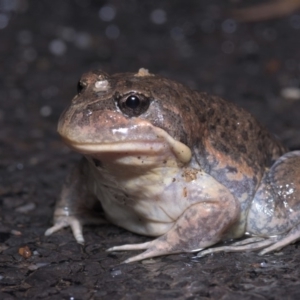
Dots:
pixel 74 207
pixel 201 225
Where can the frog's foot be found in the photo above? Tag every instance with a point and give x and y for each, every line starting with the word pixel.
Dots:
pixel 292 237
pixel 249 244
pixel 75 223
pixel 152 250
pixel 66 221
pixel 268 245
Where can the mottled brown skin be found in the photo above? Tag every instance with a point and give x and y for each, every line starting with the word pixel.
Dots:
pixel 225 139
pixel 230 152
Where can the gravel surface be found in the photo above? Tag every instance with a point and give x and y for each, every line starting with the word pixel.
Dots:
pixel 45 46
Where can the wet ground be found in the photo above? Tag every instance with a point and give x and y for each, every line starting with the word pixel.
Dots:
pixel 44 48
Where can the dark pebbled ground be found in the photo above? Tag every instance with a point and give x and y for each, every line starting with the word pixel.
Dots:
pixel 44 48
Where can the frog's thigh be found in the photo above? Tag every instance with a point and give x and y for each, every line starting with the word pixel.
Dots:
pixel 200 226
pixel 275 209
pixel 274 216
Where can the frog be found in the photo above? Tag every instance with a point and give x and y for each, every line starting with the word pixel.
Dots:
pixel 193 172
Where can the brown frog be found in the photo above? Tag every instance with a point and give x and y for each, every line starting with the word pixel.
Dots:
pixel 185 167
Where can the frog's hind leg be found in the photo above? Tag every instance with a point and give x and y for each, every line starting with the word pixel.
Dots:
pixel 275 210
pixel 274 216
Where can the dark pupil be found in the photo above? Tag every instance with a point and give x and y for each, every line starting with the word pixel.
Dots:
pixel 132 102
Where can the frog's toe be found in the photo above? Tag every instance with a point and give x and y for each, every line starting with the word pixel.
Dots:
pixel 254 239
pixel 150 251
pixel 153 248
pixel 291 237
pixel 76 227
pixel 141 246
pixel 147 254
pixel 54 229
pixel 250 244
pixel 74 223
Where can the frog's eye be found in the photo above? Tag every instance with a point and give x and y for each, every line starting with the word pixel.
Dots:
pixel 80 86
pixel 134 104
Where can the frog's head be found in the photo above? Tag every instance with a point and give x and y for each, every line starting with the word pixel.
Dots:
pixel 133 114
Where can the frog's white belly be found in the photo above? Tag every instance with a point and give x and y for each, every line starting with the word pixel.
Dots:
pixel 147 204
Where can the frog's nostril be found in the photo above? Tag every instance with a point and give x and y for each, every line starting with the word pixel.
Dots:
pixel 81 86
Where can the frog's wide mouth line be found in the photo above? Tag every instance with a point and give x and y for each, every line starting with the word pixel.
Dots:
pixel 120 147
pixel 146 147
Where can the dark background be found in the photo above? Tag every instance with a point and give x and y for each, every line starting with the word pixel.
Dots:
pixel 45 46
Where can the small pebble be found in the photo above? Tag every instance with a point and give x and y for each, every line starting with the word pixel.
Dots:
pixel 291 93
pixel 26 208
pixel 264 264
pixel 115 272
pixel 34 267
pixel 25 252
pixel 16 232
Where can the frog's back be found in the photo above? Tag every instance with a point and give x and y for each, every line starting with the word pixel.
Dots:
pixel 235 135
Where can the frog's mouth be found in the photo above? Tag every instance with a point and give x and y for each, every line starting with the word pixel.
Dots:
pixel 162 148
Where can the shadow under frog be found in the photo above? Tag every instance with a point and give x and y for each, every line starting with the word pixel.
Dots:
pixel 185 167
